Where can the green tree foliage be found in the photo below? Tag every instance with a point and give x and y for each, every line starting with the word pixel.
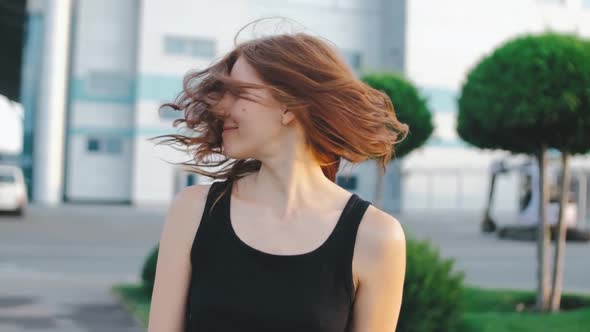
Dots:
pixel 532 90
pixel 409 106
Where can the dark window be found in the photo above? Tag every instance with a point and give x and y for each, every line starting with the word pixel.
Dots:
pixel 190 179
pixel 108 145
pixel 93 144
pixel 7 178
pixel 347 182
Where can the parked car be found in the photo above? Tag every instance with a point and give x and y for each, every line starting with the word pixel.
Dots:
pixel 13 190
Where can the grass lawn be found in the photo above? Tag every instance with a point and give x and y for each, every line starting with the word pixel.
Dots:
pixel 491 310
pixel 486 310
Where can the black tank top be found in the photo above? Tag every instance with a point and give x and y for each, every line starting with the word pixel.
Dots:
pixel 235 287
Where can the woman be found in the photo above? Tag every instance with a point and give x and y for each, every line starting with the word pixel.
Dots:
pixel 277 245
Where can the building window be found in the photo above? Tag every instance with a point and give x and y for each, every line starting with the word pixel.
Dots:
pixel 113 145
pixel 174 45
pixel 106 145
pixel 93 145
pixel 106 83
pixel 7 178
pixel 553 2
pixel 191 179
pixel 204 48
pixel 353 58
pixel 191 47
pixel 347 182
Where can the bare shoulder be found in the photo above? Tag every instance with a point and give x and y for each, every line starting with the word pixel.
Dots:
pixel 185 210
pixel 171 282
pixel 380 228
pixel 190 195
pixel 380 238
pixel 182 221
pixel 379 265
pixel 191 199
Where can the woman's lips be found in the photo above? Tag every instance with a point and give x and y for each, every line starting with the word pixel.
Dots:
pixel 226 130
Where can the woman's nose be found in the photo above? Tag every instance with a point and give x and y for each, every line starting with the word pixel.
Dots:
pixel 223 107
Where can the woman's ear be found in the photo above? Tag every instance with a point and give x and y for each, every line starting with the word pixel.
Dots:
pixel 287 116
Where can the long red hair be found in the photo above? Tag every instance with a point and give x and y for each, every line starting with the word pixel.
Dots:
pixel 342 116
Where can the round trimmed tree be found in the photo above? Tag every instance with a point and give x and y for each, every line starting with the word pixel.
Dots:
pixel 530 94
pixel 410 108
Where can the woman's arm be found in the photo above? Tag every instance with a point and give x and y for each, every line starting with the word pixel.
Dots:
pixel 173 271
pixel 380 265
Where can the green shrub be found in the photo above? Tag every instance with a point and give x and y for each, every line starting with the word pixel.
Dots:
pixel 148 273
pixel 433 292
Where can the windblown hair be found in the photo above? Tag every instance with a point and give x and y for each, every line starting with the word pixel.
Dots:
pixel 342 117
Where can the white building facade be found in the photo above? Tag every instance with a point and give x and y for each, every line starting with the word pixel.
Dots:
pixel 128 57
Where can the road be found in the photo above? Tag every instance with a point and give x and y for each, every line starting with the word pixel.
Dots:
pixel 57 264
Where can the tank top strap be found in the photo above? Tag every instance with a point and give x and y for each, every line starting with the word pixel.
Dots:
pixel 212 211
pixel 214 203
pixel 344 243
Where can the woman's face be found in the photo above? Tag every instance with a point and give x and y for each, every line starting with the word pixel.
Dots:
pixel 259 130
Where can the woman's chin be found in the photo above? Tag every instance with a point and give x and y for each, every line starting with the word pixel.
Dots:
pixel 234 154
pixel 228 152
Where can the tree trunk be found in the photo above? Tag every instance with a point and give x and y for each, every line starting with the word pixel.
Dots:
pixel 543 236
pixel 487 224
pixel 378 185
pixel 558 260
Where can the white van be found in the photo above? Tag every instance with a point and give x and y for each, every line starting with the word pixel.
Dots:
pixel 13 190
